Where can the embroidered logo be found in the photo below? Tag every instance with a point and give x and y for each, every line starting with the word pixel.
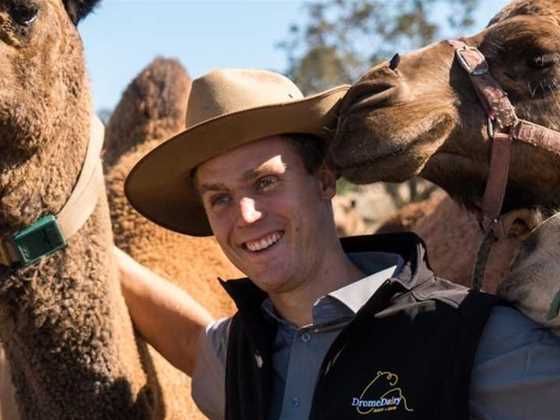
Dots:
pixel 382 394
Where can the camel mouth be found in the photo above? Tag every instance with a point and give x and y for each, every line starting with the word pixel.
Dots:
pixel 365 159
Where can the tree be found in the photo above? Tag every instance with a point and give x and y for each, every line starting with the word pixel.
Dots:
pixel 342 38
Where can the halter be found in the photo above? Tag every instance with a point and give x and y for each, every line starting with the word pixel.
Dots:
pixel 504 127
pixel 50 233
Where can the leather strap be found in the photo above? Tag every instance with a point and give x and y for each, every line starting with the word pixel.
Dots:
pixel 501 119
pixel 504 127
pixel 83 200
pixel 80 204
pixel 494 193
pixel 538 136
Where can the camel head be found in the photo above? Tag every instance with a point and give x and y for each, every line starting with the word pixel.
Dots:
pixel 419 115
pixel 44 105
pixel 40 58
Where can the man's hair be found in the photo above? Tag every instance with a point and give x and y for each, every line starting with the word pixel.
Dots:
pixel 311 149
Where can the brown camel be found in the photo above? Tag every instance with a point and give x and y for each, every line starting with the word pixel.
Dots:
pixel 452 236
pixel 63 322
pixel 523 265
pixel 422 117
pixel 419 114
pixel 152 109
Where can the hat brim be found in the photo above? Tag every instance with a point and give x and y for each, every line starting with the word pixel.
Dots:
pixel 159 186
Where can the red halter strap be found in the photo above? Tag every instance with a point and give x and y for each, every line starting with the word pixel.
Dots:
pixel 503 128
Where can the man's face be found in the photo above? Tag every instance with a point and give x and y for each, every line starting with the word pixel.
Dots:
pixel 269 215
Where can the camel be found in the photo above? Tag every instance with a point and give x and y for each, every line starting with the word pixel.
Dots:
pixel 522 267
pixel 152 109
pixel 419 115
pixel 65 328
pixel 443 224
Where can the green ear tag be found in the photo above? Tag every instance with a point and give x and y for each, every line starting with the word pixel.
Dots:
pixel 40 239
pixel 554 307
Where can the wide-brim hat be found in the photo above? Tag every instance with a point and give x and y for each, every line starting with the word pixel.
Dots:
pixel 226 109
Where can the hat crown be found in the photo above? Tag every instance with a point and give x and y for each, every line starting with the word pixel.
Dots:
pixel 223 92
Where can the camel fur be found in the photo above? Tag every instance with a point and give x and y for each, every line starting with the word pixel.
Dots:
pixel 422 117
pixel 63 322
pixel 523 266
pixel 152 109
pixel 452 237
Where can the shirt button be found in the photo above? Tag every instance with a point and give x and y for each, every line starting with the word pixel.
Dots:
pixel 306 337
pixel 296 402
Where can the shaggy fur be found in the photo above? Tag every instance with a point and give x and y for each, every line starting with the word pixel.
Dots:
pixel 63 322
pixel 453 236
pixel 152 109
pixel 424 117
pixel 521 268
pixel 533 280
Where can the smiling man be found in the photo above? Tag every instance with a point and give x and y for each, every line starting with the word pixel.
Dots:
pixel 326 328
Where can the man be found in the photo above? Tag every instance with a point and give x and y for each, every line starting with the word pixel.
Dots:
pixel 326 329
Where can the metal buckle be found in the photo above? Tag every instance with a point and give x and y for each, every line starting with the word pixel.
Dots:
pixel 478 69
pixel 40 239
pixel 490 128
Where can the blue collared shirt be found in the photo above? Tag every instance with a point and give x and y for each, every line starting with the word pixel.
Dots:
pixel 516 374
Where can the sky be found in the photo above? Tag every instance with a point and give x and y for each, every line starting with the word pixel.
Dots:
pixel 124 36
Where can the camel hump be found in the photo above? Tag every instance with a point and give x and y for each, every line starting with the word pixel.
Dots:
pixel 153 107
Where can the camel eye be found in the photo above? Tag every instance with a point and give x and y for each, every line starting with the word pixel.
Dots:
pixel 24 15
pixel 544 61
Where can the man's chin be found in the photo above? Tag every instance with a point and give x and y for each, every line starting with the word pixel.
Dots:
pixel 270 284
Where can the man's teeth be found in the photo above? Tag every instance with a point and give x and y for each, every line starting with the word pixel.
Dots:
pixel 264 243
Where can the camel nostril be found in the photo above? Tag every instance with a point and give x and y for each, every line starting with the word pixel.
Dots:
pixel 395 61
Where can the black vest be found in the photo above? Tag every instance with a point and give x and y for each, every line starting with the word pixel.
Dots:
pixel 407 354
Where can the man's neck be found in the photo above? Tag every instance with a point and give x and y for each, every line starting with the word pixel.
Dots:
pixel 296 306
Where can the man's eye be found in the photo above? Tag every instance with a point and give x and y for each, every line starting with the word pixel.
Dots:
pixel 219 200
pixel 266 182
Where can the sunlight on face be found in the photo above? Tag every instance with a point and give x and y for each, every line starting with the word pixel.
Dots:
pixel 267 212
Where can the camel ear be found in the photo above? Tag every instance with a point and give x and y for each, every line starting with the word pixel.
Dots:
pixel 78 9
pixel 519 223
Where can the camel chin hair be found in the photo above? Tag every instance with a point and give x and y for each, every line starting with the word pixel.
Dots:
pixel 533 284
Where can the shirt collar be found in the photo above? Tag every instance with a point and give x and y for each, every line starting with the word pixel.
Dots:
pixel 347 301
pixel 379 267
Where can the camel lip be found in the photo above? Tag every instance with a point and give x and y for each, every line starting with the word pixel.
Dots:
pixel 351 171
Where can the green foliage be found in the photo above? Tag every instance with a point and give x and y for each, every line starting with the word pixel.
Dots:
pixel 342 38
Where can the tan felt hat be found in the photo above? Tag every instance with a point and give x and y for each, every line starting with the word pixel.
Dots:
pixel 226 108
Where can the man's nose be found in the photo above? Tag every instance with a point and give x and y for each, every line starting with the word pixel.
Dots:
pixel 248 210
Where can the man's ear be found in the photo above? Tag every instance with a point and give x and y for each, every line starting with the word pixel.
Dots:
pixel 519 223
pixel 327 179
pixel 78 9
